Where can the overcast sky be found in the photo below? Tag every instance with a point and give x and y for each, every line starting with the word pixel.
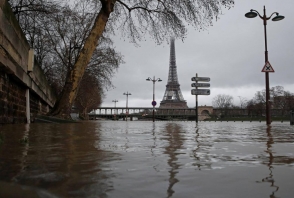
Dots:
pixel 231 53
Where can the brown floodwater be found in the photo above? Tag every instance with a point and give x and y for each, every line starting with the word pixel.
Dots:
pixel 145 159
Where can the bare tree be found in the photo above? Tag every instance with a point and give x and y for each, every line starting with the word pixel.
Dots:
pixel 243 102
pixel 68 35
pixel 160 19
pixel 289 97
pixel 259 97
pixel 31 15
pixel 96 79
pixel 276 97
pixel 254 108
pixel 280 100
pixel 89 95
pixel 222 101
pixel 57 33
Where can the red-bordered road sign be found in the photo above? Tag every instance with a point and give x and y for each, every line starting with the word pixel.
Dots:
pixel 267 68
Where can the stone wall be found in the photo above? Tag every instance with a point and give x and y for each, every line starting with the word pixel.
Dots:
pixel 15 78
pixel 12 100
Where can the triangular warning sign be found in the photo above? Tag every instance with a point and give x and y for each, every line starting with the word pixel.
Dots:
pixel 267 68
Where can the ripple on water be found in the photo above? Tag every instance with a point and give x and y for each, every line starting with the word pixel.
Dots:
pixel 145 159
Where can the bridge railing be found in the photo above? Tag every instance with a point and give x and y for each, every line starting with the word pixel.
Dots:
pixel 142 111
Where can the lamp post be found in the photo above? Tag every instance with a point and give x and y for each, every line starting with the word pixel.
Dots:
pixel 153 101
pixel 240 102
pixel 127 111
pixel 253 14
pixel 115 101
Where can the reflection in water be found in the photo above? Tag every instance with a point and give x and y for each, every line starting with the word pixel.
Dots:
pixel 270 178
pixel 13 151
pixel 126 146
pixel 61 158
pixel 195 151
pixel 154 139
pixel 175 141
pixel 25 141
pixel 145 159
pixel 201 152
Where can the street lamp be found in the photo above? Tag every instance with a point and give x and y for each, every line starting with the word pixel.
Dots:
pixel 115 101
pixel 153 101
pixel 127 111
pixel 253 14
pixel 240 102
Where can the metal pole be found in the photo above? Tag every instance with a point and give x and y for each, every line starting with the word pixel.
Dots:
pixel 115 101
pixel 127 94
pixel 196 107
pixel 240 102
pixel 153 96
pixel 292 117
pixel 267 94
pixel 127 107
pixel 153 101
pixel 115 110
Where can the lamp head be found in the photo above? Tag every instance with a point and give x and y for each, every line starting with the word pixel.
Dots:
pixel 278 17
pixel 148 79
pixel 159 80
pixel 251 14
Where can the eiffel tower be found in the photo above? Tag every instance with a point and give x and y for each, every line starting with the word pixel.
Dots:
pixel 173 97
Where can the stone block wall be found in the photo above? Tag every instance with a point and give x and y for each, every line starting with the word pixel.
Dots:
pixel 15 78
pixel 37 106
pixel 12 100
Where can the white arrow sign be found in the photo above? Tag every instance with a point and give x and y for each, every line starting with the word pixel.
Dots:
pixel 200 85
pixel 204 79
pixel 200 91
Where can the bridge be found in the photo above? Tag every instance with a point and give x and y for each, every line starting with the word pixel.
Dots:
pixel 131 113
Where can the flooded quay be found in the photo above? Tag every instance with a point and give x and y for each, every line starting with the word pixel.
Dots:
pixel 146 159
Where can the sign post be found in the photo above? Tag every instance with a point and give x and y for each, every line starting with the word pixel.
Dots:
pixel 197 91
pixel 196 108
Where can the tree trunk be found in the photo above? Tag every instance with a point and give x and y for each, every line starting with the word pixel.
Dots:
pixel 85 115
pixel 63 105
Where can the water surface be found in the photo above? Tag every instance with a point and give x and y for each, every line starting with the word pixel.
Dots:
pixel 146 159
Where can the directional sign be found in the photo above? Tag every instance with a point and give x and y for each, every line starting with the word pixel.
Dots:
pixel 267 68
pixel 200 85
pixel 204 79
pixel 200 91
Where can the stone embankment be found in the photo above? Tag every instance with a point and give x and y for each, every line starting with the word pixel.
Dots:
pixel 24 90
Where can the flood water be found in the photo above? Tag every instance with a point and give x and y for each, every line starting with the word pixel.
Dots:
pixel 145 159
